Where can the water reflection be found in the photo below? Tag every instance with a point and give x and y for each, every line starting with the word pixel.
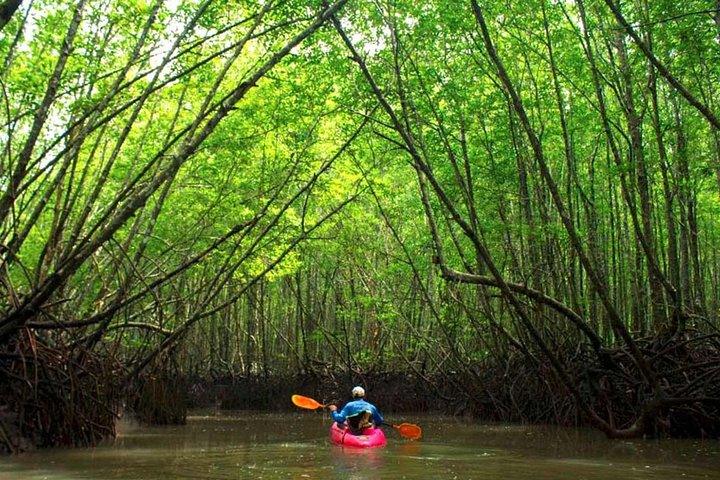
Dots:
pixel 358 463
pixel 409 449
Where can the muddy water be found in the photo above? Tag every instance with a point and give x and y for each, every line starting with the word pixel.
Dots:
pixel 261 446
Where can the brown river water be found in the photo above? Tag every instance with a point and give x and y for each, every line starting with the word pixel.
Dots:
pixel 296 446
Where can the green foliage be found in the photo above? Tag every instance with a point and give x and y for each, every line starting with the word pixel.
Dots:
pixel 364 279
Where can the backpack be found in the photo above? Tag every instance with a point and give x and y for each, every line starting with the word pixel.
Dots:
pixel 359 422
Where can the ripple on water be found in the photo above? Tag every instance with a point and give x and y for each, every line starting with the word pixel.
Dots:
pixel 297 447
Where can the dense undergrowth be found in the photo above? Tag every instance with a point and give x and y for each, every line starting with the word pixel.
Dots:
pixel 56 396
pixel 518 389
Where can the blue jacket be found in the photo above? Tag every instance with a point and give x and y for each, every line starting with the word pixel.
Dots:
pixel 356 407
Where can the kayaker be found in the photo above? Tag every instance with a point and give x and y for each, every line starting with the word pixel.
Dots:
pixel 358 412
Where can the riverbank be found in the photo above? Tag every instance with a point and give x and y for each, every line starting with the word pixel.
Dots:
pixel 516 389
pixel 53 399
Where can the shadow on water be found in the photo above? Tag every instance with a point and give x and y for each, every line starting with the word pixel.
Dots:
pixel 296 446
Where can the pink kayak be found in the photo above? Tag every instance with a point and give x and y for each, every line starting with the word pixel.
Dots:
pixel 370 437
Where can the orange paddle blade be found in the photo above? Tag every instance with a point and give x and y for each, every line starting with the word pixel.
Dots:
pixel 306 402
pixel 409 430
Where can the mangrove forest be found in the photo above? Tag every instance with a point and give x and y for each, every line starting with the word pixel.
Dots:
pixel 502 211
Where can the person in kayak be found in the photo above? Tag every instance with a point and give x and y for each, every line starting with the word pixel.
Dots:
pixel 358 412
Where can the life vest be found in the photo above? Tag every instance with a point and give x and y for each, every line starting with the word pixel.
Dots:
pixel 359 422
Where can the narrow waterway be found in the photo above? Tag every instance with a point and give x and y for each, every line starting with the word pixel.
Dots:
pixel 296 446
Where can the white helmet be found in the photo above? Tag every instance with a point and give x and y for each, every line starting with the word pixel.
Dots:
pixel 358 392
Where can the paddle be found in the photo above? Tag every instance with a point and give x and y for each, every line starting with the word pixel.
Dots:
pixel 407 430
pixel 306 402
